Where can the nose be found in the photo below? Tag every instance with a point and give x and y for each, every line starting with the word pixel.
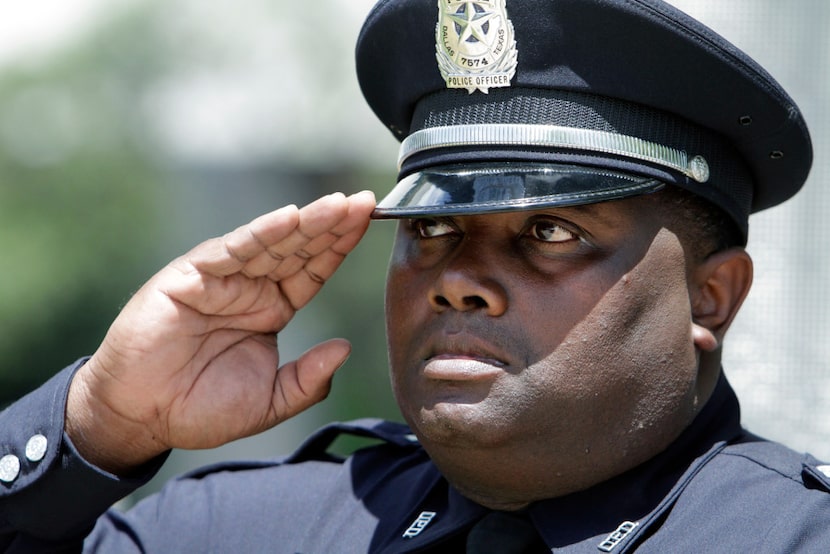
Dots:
pixel 467 283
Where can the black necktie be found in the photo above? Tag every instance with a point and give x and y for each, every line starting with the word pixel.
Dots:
pixel 505 533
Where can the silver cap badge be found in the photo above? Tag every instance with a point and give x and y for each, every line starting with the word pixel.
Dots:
pixel 475 44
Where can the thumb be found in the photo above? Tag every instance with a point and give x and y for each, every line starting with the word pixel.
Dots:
pixel 302 383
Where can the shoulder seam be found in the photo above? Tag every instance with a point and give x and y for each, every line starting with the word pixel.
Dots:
pixel 754 461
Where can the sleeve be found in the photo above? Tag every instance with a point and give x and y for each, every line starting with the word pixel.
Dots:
pixel 50 497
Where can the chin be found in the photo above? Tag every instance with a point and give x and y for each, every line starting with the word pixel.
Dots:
pixel 457 425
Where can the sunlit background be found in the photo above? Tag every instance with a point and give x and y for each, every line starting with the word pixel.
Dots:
pixel 132 130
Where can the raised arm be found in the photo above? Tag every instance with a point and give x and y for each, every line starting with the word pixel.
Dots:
pixel 192 360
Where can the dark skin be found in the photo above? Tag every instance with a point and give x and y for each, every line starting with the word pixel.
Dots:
pixel 538 353
pixel 533 353
pixel 191 361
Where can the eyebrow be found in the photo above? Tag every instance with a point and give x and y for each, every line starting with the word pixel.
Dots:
pixel 595 212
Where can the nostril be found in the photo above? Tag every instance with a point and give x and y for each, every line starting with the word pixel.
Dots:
pixel 441 301
pixel 472 302
pixel 467 291
pixel 475 302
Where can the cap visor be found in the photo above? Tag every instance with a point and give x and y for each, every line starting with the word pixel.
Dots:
pixel 488 188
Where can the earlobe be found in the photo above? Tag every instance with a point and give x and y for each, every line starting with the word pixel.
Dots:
pixel 719 286
pixel 704 339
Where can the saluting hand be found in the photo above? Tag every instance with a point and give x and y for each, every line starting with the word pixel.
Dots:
pixel 192 362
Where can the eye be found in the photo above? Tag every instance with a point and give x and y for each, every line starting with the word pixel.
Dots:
pixel 548 230
pixel 428 228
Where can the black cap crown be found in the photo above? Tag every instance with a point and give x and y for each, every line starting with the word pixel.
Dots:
pixel 599 98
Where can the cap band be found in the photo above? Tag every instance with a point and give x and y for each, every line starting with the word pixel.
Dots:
pixel 554 136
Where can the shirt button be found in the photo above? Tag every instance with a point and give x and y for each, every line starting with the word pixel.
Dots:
pixel 36 448
pixel 825 470
pixel 9 468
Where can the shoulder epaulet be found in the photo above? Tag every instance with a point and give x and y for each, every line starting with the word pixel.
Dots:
pixel 796 466
pixel 318 444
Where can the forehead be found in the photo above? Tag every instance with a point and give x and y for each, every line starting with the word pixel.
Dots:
pixel 623 216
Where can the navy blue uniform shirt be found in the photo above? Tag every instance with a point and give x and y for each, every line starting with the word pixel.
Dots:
pixel 716 489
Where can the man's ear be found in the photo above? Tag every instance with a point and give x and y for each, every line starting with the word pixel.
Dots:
pixel 717 288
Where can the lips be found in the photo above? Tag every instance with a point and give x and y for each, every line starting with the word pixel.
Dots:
pixel 462 358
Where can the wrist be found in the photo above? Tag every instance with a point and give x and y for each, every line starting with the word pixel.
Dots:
pixel 103 438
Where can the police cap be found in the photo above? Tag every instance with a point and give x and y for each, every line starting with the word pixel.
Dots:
pixel 516 104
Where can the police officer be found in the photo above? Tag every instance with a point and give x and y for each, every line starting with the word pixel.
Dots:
pixel 575 183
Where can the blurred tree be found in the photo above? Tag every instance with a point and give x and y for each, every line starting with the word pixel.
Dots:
pixel 77 201
pixel 94 196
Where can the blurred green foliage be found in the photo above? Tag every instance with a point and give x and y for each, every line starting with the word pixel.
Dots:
pixel 76 202
pixel 91 206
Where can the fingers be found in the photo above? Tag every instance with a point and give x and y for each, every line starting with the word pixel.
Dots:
pixel 325 256
pixel 193 343
pixel 281 243
pixel 306 381
pixel 256 277
pixel 272 266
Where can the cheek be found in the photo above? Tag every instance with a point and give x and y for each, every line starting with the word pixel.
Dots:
pixel 634 351
pixel 403 290
pixel 628 365
pixel 393 307
pixel 401 284
pixel 396 276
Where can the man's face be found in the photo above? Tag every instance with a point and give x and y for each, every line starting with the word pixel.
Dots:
pixel 542 351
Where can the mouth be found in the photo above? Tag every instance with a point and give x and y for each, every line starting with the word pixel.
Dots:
pixel 462 361
pixel 461 368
